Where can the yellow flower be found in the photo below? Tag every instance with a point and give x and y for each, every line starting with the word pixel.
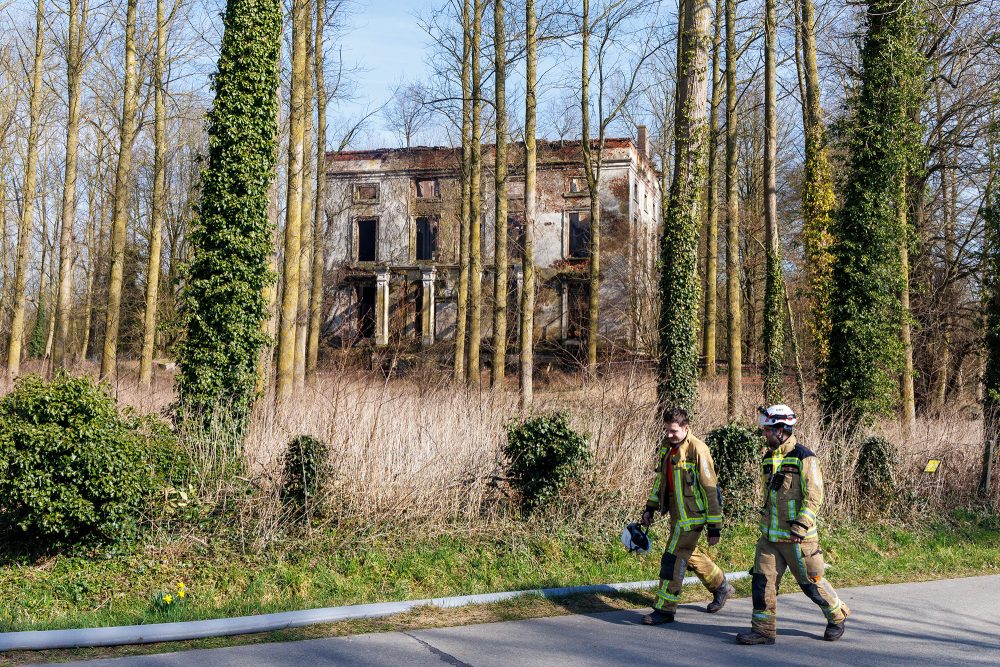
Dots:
pixel 168 598
pixel 181 593
pixel 180 585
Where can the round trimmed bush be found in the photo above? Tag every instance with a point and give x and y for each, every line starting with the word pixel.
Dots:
pixel 71 464
pixel 736 452
pixel 544 455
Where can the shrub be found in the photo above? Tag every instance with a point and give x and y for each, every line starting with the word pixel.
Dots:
pixel 306 468
pixel 874 473
pixel 736 451
pixel 71 465
pixel 544 455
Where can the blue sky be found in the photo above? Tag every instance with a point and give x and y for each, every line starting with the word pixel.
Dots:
pixel 386 40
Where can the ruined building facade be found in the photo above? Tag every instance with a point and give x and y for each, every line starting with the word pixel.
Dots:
pixel 393 245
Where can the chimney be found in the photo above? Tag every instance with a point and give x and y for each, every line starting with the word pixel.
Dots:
pixel 642 143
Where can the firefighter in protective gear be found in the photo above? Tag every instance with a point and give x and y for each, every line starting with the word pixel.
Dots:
pixel 793 493
pixel 685 487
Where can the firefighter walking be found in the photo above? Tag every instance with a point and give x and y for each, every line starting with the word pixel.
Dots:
pixel 685 487
pixel 793 493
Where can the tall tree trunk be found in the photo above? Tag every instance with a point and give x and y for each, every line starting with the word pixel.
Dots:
pixel 677 382
pixel 499 200
pixel 593 175
pixel 67 247
pixel 28 200
pixel 319 210
pixel 305 254
pixel 734 342
pixel 712 232
pixel 462 305
pixel 159 196
pixel 527 333
pixel 475 214
pixel 112 320
pixel 91 239
pixel 293 207
pixel 818 197
pixel 774 282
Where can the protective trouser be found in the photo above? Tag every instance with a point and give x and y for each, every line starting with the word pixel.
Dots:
pixel 682 554
pixel 805 560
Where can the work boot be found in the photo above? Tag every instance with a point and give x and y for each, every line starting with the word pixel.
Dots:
pixel 834 631
pixel 658 617
pixel 753 637
pixel 719 597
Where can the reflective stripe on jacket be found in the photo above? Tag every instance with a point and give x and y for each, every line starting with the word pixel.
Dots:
pixel 793 493
pixel 695 500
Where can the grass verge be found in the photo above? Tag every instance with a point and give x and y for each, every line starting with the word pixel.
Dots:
pixel 65 591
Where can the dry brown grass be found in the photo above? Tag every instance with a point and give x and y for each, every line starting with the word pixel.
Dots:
pixel 422 450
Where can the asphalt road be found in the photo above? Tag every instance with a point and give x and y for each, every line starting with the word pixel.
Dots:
pixel 950 622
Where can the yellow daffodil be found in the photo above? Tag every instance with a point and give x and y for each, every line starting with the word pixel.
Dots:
pixel 168 599
pixel 181 593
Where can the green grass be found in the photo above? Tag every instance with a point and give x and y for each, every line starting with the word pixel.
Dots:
pixel 74 591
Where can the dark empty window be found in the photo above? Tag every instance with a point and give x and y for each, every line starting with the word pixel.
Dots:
pixel 578 304
pixel 515 236
pixel 426 239
pixel 366 192
pixel 367 236
pixel 579 234
pixel 366 308
pixel 427 188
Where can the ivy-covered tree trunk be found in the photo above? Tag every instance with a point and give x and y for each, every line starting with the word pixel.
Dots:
pixel 865 348
pixel 774 280
pixel 231 237
pixel 677 384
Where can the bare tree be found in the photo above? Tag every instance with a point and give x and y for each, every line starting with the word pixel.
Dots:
pixel 408 112
pixel 527 333
pixel 500 260
pixel 28 199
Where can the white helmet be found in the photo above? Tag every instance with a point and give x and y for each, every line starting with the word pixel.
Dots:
pixel 635 539
pixel 777 415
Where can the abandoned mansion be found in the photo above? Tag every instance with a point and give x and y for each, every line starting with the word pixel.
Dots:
pixel 393 244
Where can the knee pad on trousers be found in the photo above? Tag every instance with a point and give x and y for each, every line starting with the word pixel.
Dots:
pixel 812 591
pixel 667 566
pixel 758 589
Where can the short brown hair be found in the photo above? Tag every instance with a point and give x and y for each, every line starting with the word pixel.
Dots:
pixel 677 416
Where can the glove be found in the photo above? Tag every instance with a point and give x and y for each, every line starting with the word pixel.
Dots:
pixel 714 531
pixel 798 530
pixel 647 517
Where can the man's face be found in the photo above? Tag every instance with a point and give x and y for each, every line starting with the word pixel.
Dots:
pixel 774 435
pixel 676 433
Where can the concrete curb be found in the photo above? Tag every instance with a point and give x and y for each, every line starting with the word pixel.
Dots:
pixel 37 640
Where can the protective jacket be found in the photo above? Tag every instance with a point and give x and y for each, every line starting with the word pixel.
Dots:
pixel 793 493
pixel 688 471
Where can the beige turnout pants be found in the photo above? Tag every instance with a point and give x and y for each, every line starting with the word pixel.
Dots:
pixel 682 554
pixel 805 560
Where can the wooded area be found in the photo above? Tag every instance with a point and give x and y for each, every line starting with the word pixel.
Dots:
pixel 841 157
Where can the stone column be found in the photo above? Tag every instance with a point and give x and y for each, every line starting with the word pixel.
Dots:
pixel 427 324
pixel 564 310
pixel 381 307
